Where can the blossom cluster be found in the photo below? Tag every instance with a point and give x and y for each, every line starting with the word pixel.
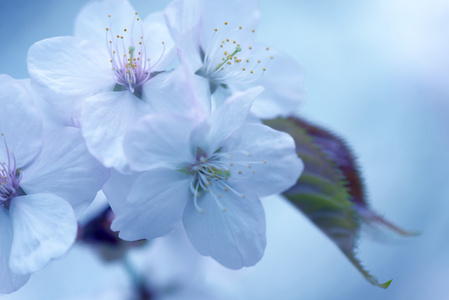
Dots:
pixel 163 114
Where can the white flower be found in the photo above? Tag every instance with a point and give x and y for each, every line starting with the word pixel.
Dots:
pixel 210 174
pixel 217 38
pixel 43 179
pixel 109 74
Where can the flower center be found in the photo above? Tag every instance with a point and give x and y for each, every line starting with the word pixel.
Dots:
pixel 131 66
pixel 227 60
pixel 10 178
pixel 211 174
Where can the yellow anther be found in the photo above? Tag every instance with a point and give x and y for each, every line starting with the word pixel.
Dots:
pixel 225 53
pixel 268 48
pixel 233 42
pixel 240 27
pixel 240 172
pixel 124 29
pixel 215 29
pixel 271 57
pixel 264 69
pixel 250 48
pixel 138 19
pixel 136 13
pixel 109 16
pixel 251 72
pixel 264 161
pixel 226 23
pixel 225 189
pixel 243 69
pixel 247 60
pixel 107 29
pixel 253 30
pixel 258 61
pixel 227 40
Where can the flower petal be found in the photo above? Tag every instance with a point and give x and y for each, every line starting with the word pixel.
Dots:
pixel 283 83
pixel 19 122
pixel 263 158
pixel 234 12
pixel 183 19
pixel 104 121
pixel 67 70
pixel 154 205
pixel 235 237
pixel 44 228
pixel 230 116
pixel 52 119
pixel 10 282
pixel 65 168
pixel 159 141
pixel 93 19
pixel 168 93
pixel 117 188
pixel 159 45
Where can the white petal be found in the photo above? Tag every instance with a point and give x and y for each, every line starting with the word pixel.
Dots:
pixel 44 229
pixel 283 83
pixel 10 282
pixel 265 157
pixel 234 12
pixel 230 116
pixel 117 188
pixel 159 45
pixel 234 237
pixel 159 141
pixel 19 122
pixel 168 93
pixel 52 119
pixel 105 119
pixel 66 70
pixel 183 18
pixel 154 205
pixel 93 19
pixel 65 168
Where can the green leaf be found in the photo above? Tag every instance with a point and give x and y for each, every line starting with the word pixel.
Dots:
pixel 330 192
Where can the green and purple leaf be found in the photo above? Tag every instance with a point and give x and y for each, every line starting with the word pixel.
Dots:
pixel 330 192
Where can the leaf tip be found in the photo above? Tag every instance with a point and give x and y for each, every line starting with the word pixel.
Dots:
pixel 386 284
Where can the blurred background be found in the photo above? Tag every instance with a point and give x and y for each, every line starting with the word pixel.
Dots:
pixel 377 74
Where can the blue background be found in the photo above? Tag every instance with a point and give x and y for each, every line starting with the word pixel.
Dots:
pixel 377 73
